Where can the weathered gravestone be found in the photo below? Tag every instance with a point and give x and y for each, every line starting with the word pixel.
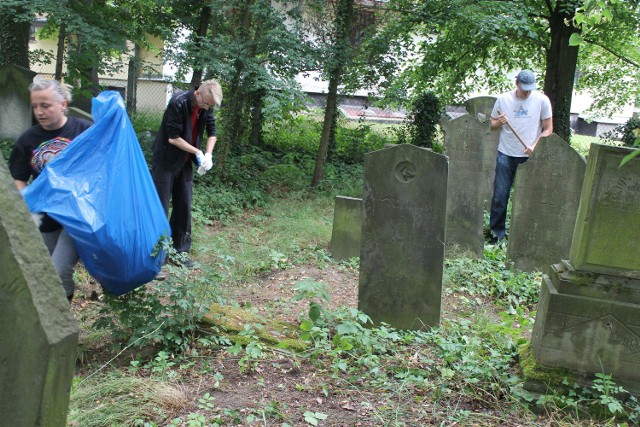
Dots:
pixel 403 235
pixel 347 224
pixel 463 145
pixel 588 318
pixel 545 204
pixel 38 335
pixel 480 107
pixel 15 101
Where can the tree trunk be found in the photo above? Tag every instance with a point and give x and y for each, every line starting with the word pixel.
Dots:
pixel 332 103
pixel 257 105
pixel 62 36
pixel 132 80
pixel 203 26
pixel 341 48
pixel 561 67
pixel 14 39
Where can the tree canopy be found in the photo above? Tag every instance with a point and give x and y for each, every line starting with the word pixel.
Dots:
pixel 458 47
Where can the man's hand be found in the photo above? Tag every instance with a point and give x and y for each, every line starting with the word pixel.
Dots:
pixel 498 122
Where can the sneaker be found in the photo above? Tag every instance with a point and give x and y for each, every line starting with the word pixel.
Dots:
pixel 491 237
pixel 187 262
pixel 161 275
pixel 182 259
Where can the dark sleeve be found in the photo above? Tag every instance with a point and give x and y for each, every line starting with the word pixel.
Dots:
pixel 211 124
pixel 20 161
pixel 174 122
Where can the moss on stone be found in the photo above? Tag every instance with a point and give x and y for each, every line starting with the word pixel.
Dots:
pixel 533 371
pixel 274 333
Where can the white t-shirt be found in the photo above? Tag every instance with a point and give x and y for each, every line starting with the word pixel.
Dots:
pixel 525 116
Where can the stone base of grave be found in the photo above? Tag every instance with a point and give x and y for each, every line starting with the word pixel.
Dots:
pixel 589 323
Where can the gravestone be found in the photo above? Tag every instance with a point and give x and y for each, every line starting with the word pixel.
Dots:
pixel 15 101
pixel 545 204
pixel 463 145
pixel 607 233
pixel 347 224
pixel 38 336
pixel 480 107
pixel 403 236
pixel 588 318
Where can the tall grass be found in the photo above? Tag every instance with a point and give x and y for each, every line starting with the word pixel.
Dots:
pixel 119 399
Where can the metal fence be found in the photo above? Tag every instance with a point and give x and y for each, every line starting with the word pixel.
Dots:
pixel 151 94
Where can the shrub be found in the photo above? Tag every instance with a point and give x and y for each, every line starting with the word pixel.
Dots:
pixel 425 115
pixel 630 131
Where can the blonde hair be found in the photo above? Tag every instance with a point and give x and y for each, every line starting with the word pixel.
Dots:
pixel 62 91
pixel 214 89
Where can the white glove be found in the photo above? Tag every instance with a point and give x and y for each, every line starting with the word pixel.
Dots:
pixel 207 162
pixel 201 170
pixel 199 158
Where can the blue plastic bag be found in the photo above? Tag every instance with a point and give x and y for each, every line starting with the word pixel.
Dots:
pixel 100 189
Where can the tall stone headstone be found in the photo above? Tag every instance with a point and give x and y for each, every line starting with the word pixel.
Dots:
pixel 403 236
pixel 545 204
pixel 588 318
pixel 347 225
pixel 480 107
pixel 15 101
pixel 463 145
pixel 38 335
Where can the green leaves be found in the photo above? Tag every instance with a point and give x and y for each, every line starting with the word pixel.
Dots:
pixel 575 39
pixel 312 418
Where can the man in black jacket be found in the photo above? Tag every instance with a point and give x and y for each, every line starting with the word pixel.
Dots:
pixel 176 148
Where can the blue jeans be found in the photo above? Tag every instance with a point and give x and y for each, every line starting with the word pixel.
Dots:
pixel 63 256
pixel 506 167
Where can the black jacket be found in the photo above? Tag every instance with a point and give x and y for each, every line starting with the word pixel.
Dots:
pixel 176 122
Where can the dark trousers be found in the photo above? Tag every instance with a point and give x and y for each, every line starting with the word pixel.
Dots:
pixel 506 167
pixel 177 187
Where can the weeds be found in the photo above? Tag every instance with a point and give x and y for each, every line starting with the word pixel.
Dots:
pixel 463 372
pixel 167 314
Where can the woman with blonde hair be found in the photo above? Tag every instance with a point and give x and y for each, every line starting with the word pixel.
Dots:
pixel 30 155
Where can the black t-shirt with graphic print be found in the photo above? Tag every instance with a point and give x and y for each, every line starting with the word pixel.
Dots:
pixel 36 147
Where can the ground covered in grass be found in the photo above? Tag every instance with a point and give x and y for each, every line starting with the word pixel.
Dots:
pixel 266 331
pixel 289 387
pixel 289 348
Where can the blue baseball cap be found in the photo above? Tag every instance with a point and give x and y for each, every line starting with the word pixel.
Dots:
pixel 527 80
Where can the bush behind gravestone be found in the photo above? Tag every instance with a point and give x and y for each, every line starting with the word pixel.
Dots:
pixel 425 116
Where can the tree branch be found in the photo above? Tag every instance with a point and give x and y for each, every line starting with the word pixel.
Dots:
pixel 617 55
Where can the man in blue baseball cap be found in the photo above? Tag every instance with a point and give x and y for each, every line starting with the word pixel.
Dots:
pixel 523 116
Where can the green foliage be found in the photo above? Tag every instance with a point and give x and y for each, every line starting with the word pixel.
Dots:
pixel 425 116
pixel 353 140
pixel 252 351
pixel 493 277
pixel 167 314
pixel 603 400
pixel 300 133
pixel 631 131
pixel 478 354
pixel 313 418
